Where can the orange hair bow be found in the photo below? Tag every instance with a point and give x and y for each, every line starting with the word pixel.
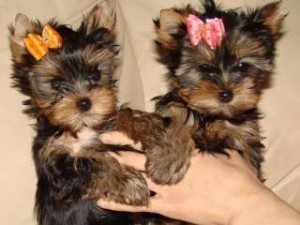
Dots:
pixel 38 45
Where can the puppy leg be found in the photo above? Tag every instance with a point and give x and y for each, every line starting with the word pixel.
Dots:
pixel 168 161
pixel 90 175
pixel 115 182
pixel 166 141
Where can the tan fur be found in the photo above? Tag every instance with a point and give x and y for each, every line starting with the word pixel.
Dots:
pixel 65 112
pixel 245 96
pixel 165 166
pixel 126 185
pixel 48 67
pixel 101 15
pixel 245 46
pixel 168 25
pixel 54 148
pixel 168 147
pixel 204 98
pixel 123 184
pixel 17 50
pixel 161 143
pixel 237 136
pixel 22 27
pixel 273 19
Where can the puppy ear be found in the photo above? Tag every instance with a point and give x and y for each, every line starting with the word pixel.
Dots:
pixel 21 62
pixel 18 32
pixel 169 28
pixel 270 15
pixel 102 15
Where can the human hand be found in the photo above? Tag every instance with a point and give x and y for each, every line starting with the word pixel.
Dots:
pixel 216 190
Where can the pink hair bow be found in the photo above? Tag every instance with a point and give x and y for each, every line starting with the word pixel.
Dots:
pixel 211 32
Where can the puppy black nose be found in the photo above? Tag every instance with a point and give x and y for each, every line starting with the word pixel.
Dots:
pixel 225 96
pixel 84 104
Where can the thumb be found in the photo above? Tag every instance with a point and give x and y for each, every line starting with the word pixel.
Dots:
pixel 153 206
pixel 118 138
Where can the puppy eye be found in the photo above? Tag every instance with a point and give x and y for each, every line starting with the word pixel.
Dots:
pixel 208 69
pixel 59 84
pixel 95 76
pixel 243 67
pixel 56 83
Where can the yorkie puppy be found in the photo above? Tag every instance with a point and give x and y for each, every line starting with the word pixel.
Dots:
pixel 219 63
pixel 68 76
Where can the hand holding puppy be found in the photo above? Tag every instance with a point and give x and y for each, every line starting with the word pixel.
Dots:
pixel 216 190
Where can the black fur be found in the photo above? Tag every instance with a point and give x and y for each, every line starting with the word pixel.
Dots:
pixel 58 175
pixel 50 206
pixel 192 87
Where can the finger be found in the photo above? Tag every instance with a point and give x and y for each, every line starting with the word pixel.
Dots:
pixel 121 207
pixel 137 161
pixel 118 138
pixel 154 206
pixel 133 159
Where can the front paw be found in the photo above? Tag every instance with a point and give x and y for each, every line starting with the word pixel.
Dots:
pixel 129 188
pixel 167 164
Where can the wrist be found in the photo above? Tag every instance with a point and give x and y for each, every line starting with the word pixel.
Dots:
pixel 265 208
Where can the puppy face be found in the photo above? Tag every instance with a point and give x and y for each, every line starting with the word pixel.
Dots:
pixel 228 79
pixel 72 86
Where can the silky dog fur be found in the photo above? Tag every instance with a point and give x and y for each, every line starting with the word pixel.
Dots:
pixel 220 88
pixel 73 99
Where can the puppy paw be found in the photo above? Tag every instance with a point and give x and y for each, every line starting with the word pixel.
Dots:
pixel 130 188
pixel 168 165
